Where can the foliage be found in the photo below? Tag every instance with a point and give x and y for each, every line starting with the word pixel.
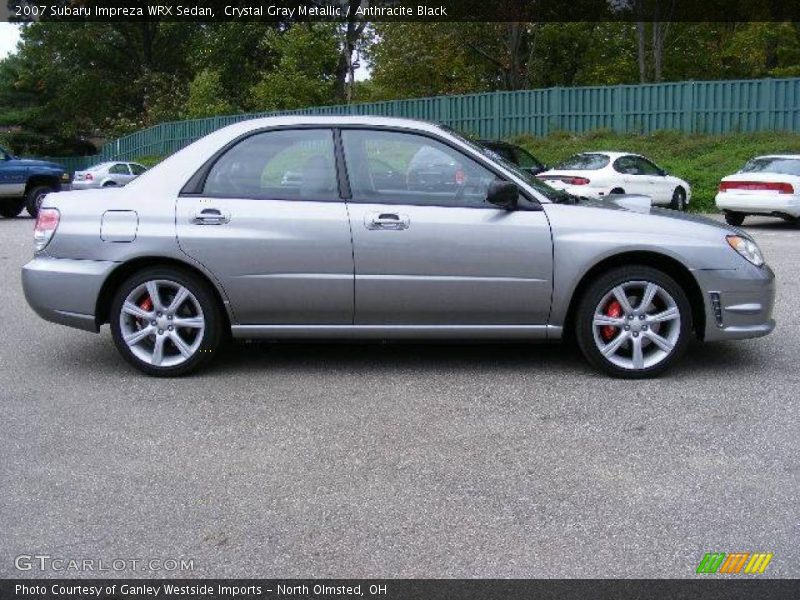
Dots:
pixel 702 160
pixel 207 96
pixel 74 82
pixel 304 70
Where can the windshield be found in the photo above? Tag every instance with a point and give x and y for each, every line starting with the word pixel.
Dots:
pixel 784 166
pixel 540 186
pixel 583 162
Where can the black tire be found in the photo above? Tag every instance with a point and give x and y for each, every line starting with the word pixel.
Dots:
pixel 617 191
pixel 599 289
pixel 212 334
pixel 678 199
pixel 34 197
pixel 734 218
pixel 109 184
pixel 11 208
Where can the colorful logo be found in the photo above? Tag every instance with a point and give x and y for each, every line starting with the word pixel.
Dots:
pixel 737 562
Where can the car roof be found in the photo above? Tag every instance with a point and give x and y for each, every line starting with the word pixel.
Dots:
pixel 791 156
pixel 333 121
pixel 612 154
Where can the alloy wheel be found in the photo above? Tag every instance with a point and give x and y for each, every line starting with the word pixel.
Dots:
pixel 636 325
pixel 162 323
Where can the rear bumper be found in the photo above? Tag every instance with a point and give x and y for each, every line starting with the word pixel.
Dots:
pixel 738 302
pixel 755 204
pixel 85 185
pixel 65 291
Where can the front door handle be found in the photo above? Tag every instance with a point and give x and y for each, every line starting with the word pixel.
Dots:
pixel 387 221
pixel 211 216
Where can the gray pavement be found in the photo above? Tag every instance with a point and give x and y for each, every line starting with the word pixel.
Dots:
pixel 310 460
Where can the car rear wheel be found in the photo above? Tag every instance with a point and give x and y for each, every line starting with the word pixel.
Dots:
pixel 633 322
pixel 166 322
pixel 617 191
pixel 734 218
pixel 34 197
pixel 11 209
pixel 678 199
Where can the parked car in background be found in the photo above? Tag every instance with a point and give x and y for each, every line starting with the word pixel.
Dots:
pixel 515 154
pixel 218 240
pixel 107 174
pixel 766 185
pixel 598 174
pixel 24 182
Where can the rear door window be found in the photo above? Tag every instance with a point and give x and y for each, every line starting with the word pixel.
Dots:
pixel 280 165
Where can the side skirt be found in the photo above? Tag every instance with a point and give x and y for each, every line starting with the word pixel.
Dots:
pixel 443 332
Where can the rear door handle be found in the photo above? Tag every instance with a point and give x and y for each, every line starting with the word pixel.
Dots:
pixel 211 216
pixel 388 221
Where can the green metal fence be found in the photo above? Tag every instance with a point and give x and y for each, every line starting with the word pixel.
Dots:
pixel 689 106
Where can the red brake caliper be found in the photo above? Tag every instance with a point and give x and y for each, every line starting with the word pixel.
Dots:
pixel 146 304
pixel 613 309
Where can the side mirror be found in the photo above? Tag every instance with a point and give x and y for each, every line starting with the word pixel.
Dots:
pixel 504 194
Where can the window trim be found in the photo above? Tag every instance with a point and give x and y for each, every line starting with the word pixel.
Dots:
pixel 527 202
pixel 195 186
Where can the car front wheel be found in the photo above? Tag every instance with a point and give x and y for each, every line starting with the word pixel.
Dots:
pixel 34 197
pixel 633 322
pixel 166 322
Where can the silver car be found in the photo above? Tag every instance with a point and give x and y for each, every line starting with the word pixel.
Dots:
pixel 107 174
pixel 218 240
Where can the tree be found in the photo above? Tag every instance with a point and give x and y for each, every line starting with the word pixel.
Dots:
pixel 305 68
pixel 207 96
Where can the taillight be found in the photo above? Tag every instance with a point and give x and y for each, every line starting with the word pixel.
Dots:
pixel 577 181
pixel 46 224
pixel 769 186
pixel 568 179
pixel 88 177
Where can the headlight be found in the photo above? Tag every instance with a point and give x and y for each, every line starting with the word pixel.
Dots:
pixel 747 248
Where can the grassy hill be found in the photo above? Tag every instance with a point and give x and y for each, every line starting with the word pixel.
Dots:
pixel 702 160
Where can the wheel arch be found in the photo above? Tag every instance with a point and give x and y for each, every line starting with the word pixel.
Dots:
pixel 38 180
pixel 669 265
pixel 128 268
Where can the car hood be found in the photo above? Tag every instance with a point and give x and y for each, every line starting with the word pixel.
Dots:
pixel 664 213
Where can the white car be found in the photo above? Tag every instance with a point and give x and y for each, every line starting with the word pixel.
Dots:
pixel 598 174
pixel 766 185
pixel 107 174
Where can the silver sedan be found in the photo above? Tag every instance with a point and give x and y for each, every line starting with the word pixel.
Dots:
pixel 107 174
pixel 317 227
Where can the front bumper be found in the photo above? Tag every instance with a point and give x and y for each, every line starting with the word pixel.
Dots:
pixel 65 291
pixel 738 302
pixel 755 204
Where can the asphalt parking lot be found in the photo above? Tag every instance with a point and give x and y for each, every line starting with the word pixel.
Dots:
pixel 398 460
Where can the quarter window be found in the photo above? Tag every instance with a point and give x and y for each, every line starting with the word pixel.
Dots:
pixel 279 165
pixel 137 169
pixel 387 167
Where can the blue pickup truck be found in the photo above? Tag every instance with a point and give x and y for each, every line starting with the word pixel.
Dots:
pixel 24 182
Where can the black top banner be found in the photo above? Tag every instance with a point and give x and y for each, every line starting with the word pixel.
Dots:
pixel 398 589
pixel 402 10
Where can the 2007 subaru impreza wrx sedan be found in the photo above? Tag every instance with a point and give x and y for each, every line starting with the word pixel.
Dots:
pixel 312 227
